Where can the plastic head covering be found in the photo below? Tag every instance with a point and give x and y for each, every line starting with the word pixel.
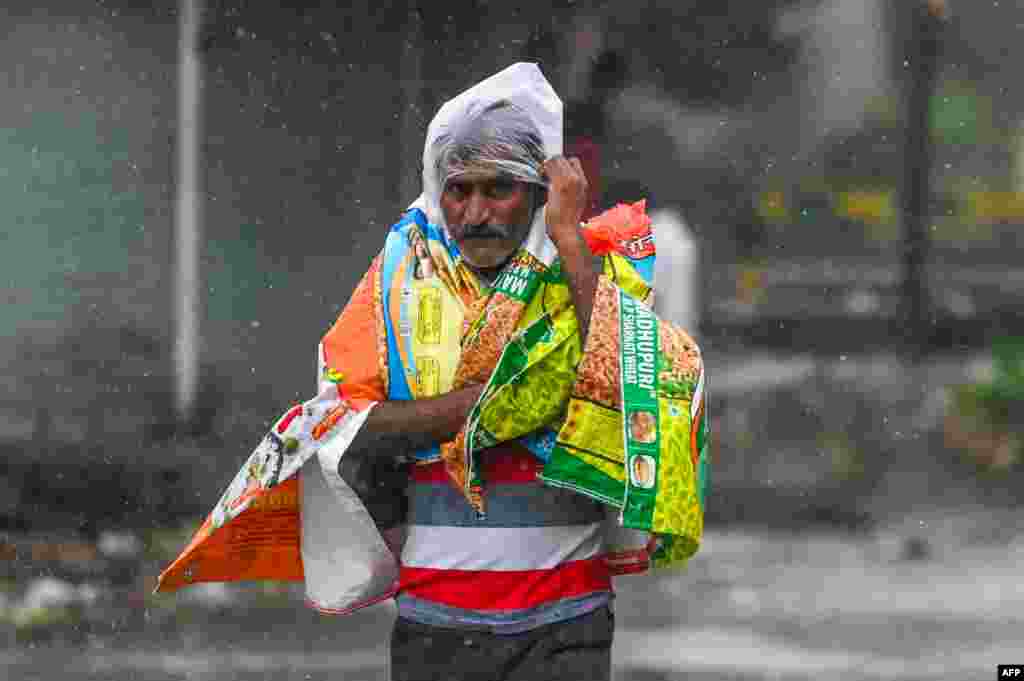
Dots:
pixel 510 123
pixel 500 137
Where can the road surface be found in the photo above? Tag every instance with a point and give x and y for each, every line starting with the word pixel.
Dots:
pixel 752 606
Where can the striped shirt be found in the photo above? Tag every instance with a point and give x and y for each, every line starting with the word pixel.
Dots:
pixel 537 557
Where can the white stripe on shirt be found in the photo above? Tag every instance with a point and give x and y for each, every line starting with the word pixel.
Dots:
pixel 500 548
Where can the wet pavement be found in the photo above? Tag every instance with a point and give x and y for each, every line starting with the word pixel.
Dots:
pixel 902 602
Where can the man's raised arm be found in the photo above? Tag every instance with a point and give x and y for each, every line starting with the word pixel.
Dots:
pixel 567 197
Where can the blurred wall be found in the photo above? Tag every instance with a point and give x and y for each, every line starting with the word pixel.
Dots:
pixel 308 129
pixel 86 127
pixel 314 116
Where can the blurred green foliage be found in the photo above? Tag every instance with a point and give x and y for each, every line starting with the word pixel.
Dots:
pixel 984 421
pixel 1003 396
pixel 1009 357
pixel 848 460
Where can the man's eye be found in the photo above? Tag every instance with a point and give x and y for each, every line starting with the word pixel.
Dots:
pixel 501 189
pixel 457 190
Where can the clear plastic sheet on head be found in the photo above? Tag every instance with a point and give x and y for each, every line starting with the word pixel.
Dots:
pixel 499 138
pixel 521 85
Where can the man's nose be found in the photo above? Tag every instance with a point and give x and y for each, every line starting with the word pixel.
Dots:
pixel 477 209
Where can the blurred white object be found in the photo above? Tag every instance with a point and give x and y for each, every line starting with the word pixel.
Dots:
pixel 211 595
pixel 862 303
pixel 188 210
pixel 676 270
pixel 844 62
pixel 694 132
pixel 960 304
pixel 120 545
pixel 49 592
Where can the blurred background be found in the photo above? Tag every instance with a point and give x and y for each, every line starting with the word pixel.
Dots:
pixel 189 192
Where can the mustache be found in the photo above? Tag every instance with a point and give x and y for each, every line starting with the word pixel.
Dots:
pixel 484 231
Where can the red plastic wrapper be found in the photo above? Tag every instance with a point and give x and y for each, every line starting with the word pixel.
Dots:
pixel 625 229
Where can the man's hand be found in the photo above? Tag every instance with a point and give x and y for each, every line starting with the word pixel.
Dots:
pixel 567 198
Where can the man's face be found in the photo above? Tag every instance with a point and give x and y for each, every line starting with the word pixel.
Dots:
pixel 488 215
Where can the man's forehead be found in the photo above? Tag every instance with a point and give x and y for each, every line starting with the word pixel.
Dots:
pixel 481 173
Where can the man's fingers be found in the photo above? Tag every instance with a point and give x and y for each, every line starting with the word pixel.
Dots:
pixel 558 163
pixel 578 166
pixel 560 169
pixel 567 195
pixel 555 167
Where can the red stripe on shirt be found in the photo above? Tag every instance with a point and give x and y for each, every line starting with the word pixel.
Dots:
pixel 506 590
pixel 506 464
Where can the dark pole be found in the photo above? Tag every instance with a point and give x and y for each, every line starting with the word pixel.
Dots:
pixel 928 22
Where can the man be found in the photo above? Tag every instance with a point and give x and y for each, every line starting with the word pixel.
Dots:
pixel 460 613
pixel 467 348
pixel 525 592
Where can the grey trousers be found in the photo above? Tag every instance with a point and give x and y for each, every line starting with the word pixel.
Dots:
pixel 579 649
